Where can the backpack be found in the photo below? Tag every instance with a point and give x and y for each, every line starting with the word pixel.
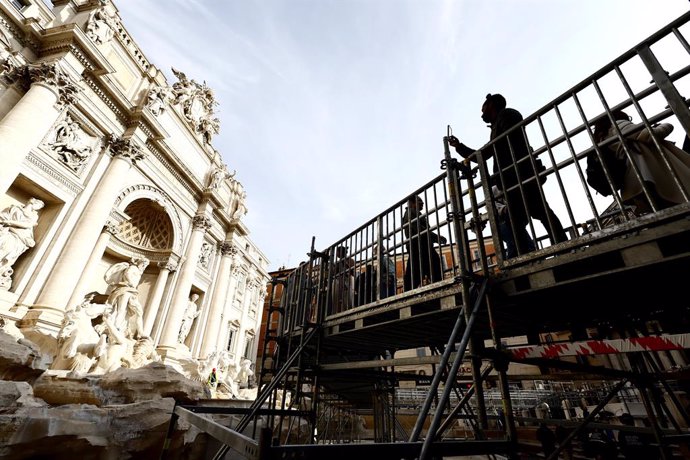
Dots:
pixel 596 178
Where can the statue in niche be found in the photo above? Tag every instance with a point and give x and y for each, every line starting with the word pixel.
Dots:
pixel 220 174
pixel 69 143
pixel 157 99
pixel 17 224
pixel 191 312
pixel 205 255
pixel 126 309
pixel 100 27
pixel 241 208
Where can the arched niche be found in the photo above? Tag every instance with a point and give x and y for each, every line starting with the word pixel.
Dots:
pixel 159 203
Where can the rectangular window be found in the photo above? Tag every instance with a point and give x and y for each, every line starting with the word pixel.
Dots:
pixel 19 4
pixel 249 347
pixel 232 333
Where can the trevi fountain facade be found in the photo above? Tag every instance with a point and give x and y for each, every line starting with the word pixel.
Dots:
pixel 126 270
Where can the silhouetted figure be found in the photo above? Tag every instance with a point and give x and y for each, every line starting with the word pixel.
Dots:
pixel 649 161
pixel 547 439
pixel 506 176
pixel 422 260
pixel 343 289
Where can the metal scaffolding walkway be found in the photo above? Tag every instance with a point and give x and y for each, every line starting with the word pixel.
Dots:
pixel 606 307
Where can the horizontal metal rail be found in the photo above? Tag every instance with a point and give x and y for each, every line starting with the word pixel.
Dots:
pixel 238 442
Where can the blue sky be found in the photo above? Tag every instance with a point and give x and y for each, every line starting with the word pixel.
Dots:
pixel 332 110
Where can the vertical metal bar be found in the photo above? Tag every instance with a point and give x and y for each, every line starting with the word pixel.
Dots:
pixel 169 434
pixel 616 195
pixel 450 381
pixel 673 97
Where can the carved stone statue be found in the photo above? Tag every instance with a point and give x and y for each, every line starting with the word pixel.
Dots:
pixel 77 338
pixel 100 27
pixel 208 127
pixel 69 143
pixel 123 279
pixel 205 255
pixel 244 374
pixel 197 102
pixel 157 99
pixel 191 312
pixel 220 174
pixel 85 348
pixel 17 224
pixel 241 207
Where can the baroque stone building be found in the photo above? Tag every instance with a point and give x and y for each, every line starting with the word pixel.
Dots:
pixel 110 186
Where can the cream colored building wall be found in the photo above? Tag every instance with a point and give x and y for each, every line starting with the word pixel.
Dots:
pixel 165 161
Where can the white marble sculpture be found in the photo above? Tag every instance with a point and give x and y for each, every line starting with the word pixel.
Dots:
pixel 205 255
pixel 241 207
pixel 157 99
pixel 245 372
pixel 17 224
pixel 77 338
pixel 123 279
pixel 84 348
pixel 219 175
pixel 197 102
pixel 191 312
pixel 70 144
pixel 100 27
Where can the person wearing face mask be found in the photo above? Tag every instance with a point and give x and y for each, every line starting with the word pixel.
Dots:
pixel 514 172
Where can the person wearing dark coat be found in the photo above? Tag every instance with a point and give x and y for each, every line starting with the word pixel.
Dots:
pixel 423 262
pixel 524 201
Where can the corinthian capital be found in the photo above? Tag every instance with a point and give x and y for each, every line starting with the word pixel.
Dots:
pixel 52 75
pixel 201 222
pixel 125 149
pixel 227 248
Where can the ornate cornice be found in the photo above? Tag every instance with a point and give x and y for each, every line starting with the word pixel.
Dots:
pixel 96 88
pixel 125 148
pixel 171 169
pixel 201 222
pixel 51 171
pixel 26 39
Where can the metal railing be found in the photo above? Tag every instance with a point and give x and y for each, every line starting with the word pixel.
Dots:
pixel 412 244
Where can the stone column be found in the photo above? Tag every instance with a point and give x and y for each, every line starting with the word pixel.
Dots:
pixel 218 299
pixel 173 322
pixel 61 283
pixel 25 125
pixel 229 300
pixel 77 296
pixel 157 295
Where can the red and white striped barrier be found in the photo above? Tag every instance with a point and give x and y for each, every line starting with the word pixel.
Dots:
pixel 603 347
